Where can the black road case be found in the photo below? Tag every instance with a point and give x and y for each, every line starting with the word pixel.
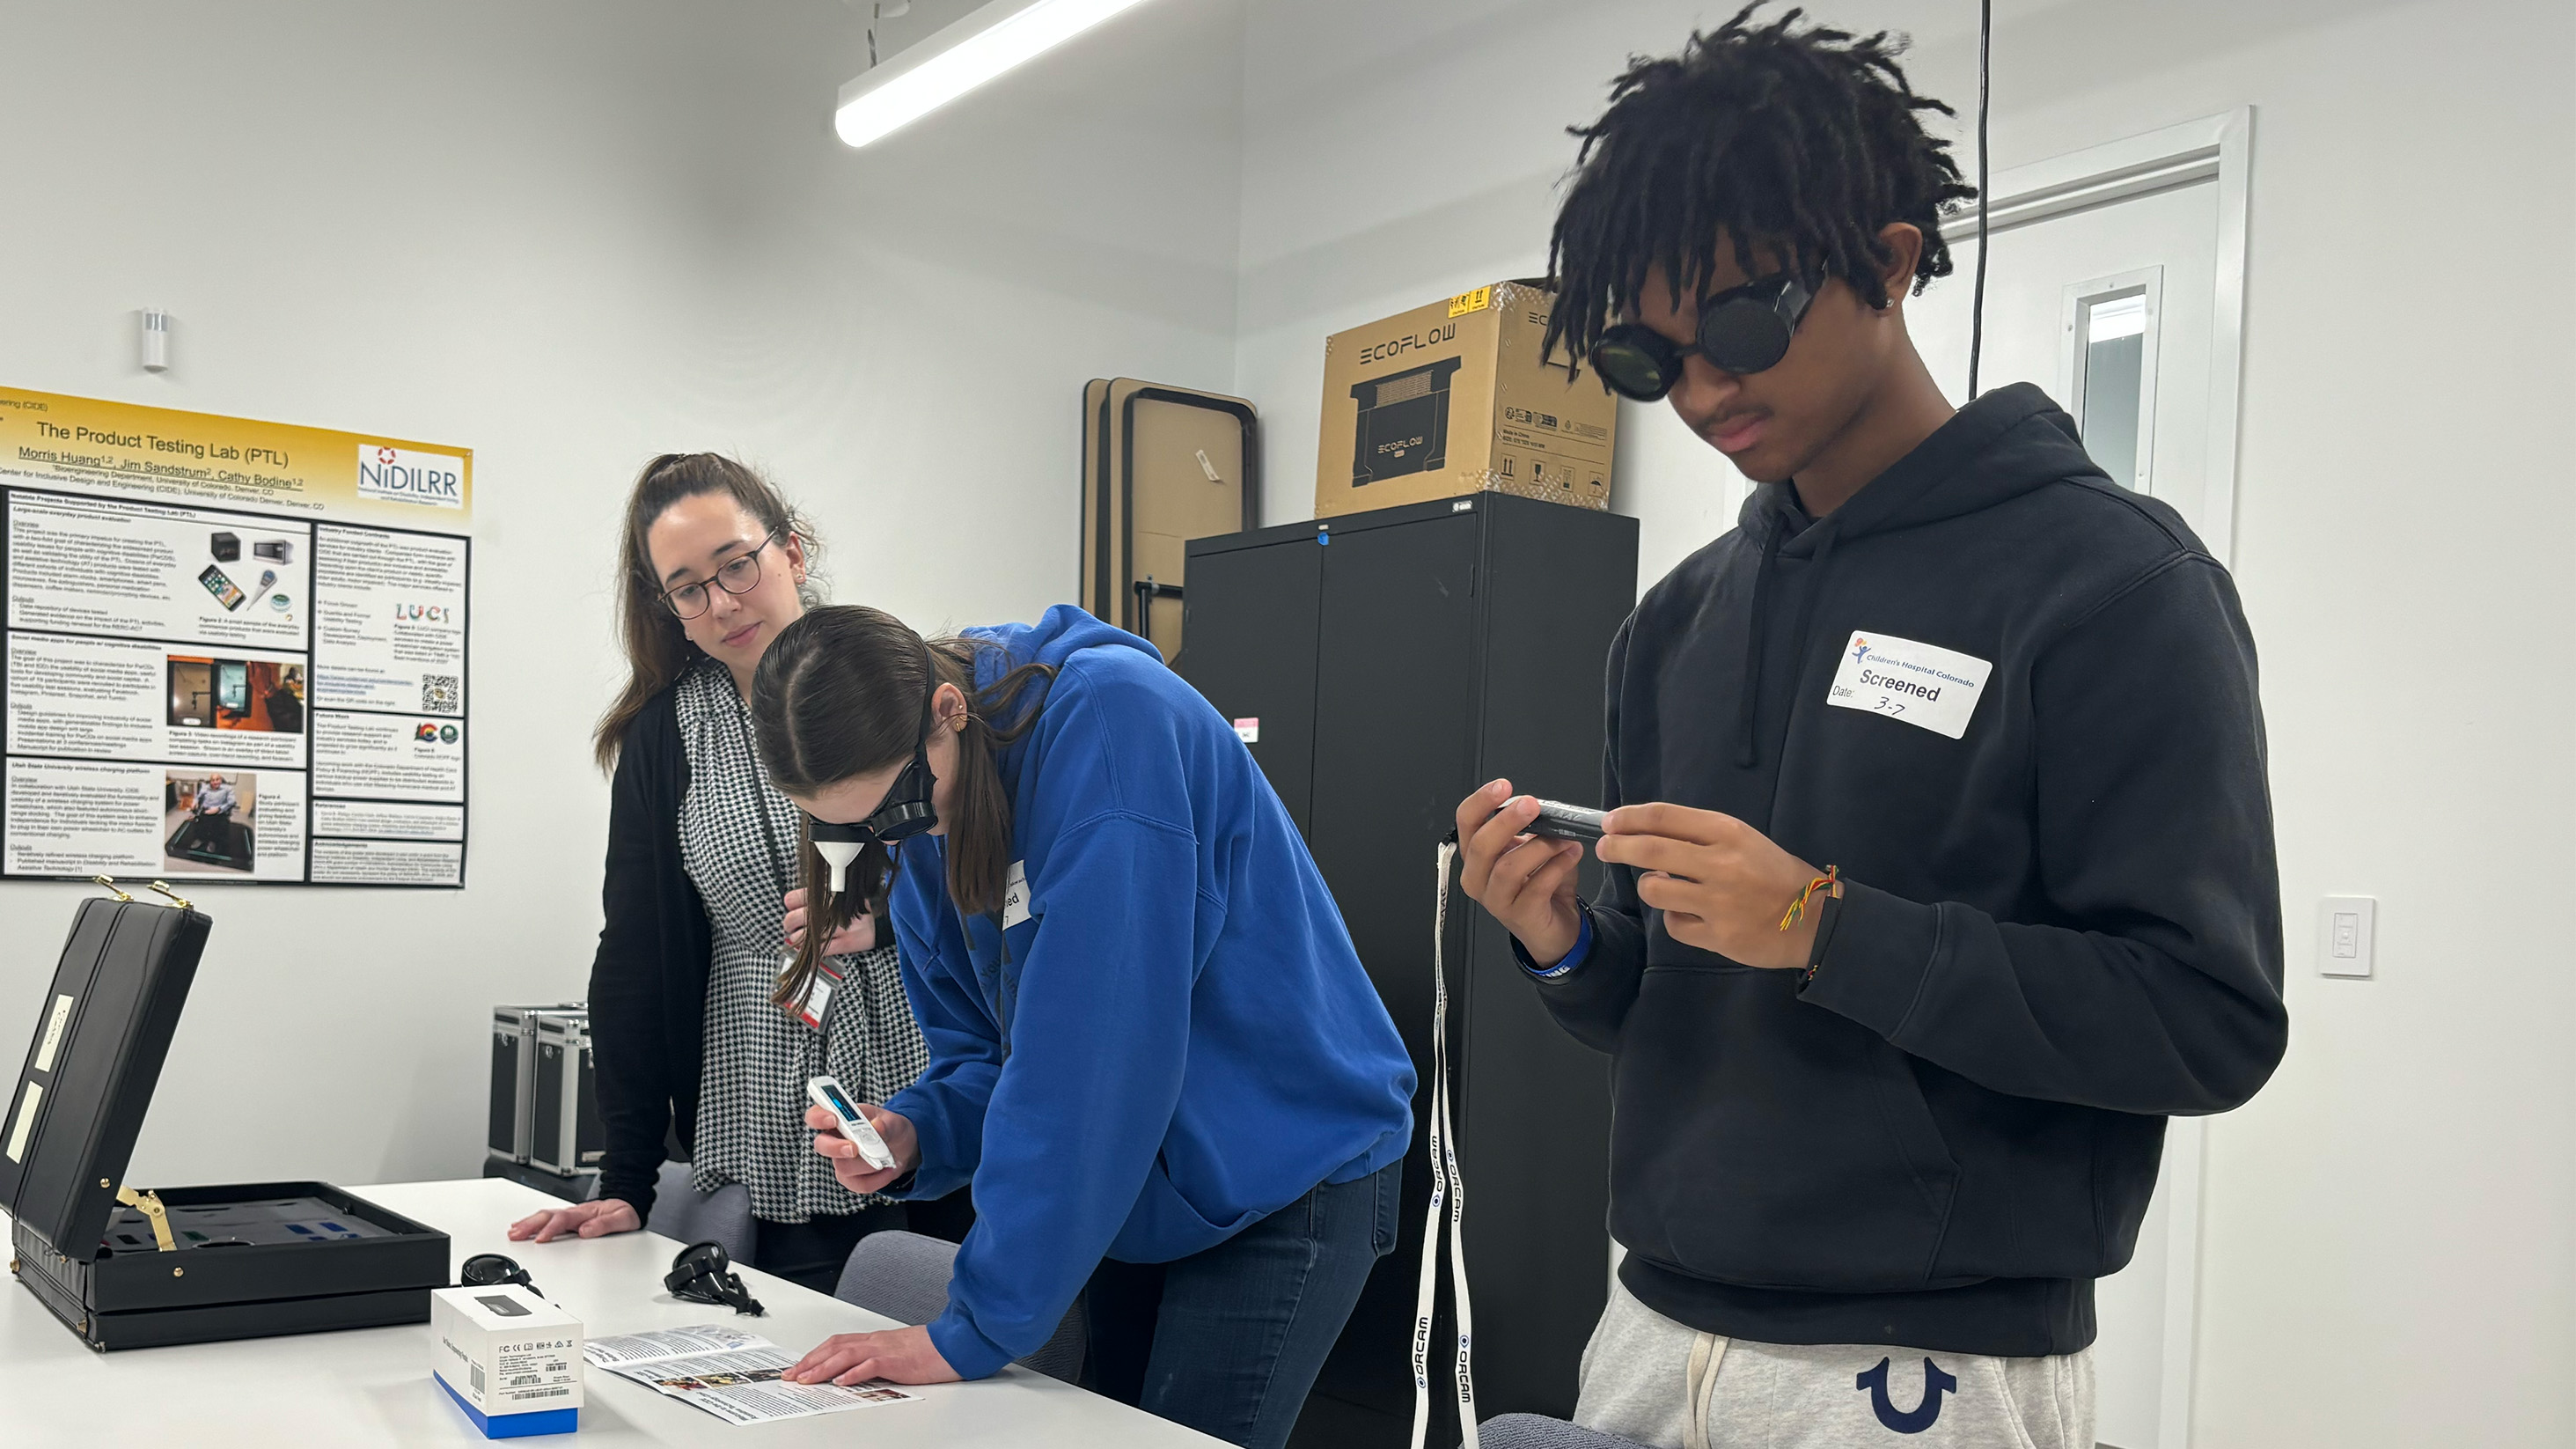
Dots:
pixel 126 1269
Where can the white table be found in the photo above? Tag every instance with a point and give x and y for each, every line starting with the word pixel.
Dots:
pixel 372 1386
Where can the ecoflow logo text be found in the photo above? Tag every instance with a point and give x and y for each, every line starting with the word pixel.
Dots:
pixel 1397 347
pixel 400 475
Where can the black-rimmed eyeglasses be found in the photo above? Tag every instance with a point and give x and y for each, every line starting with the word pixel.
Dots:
pixel 739 574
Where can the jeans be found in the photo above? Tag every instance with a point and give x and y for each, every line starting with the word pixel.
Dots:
pixel 1228 1341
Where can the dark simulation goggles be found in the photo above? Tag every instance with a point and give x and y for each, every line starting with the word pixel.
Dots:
pixel 1742 329
pixel 491 1270
pixel 700 1275
pixel 906 810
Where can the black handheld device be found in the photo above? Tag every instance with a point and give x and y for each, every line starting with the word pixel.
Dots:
pixel 1567 822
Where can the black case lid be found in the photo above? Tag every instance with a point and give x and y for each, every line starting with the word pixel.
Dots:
pixel 102 1032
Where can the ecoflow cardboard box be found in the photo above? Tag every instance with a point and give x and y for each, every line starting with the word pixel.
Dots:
pixel 1455 398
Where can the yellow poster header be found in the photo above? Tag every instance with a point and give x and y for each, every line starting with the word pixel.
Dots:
pixel 48 440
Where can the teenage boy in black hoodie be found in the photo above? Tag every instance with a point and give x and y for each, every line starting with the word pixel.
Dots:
pixel 1957 876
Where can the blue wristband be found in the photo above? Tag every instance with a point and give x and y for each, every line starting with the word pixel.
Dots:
pixel 1573 958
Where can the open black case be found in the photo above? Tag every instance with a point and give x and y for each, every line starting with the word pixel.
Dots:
pixel 126 1269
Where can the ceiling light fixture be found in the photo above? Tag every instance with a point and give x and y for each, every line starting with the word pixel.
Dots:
pixel 987 42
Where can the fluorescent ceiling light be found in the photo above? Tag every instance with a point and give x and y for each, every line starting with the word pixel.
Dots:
pixel 962 56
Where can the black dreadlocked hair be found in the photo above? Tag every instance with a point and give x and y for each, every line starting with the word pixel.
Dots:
pixel 1803 142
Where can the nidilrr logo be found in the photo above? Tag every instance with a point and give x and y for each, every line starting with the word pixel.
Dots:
pixel 404 475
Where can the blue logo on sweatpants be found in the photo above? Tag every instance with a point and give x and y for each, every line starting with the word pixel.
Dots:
pixel 1923 1415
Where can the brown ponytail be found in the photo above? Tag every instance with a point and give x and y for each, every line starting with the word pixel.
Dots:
pixel 839 694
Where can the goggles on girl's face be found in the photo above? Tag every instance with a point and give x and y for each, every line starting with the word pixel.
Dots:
pixel 906 810
pixel 1742 329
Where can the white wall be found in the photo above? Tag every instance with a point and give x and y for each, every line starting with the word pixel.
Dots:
pixel 569 236
pixel 2388 1226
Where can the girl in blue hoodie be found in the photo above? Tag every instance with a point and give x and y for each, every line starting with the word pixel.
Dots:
pixel 1154 1052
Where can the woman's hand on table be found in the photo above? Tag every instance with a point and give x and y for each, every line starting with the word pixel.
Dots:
pixel 594 1219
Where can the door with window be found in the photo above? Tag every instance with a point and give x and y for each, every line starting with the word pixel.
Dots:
pixel 2115 283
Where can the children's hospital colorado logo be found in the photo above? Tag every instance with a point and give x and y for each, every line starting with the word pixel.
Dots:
pixel 402 475
pixel 1909 681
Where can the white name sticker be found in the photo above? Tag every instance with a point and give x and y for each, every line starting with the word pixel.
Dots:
pixel 1920 684
pixel 1015 895
pixel 1248 731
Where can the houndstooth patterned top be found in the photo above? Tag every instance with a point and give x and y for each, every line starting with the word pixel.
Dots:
pixel 737 837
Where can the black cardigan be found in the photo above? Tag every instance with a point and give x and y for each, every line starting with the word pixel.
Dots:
pixel 648 984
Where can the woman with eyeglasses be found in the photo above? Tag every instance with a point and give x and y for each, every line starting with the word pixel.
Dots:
pixel 1153 1048
pixel 702 1052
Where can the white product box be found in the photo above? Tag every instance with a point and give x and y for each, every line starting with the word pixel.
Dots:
pixel 511 1360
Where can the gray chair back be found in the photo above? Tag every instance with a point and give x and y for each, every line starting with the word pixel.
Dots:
pixel 1533 1431
pixel 904 1276
pixel 681 1211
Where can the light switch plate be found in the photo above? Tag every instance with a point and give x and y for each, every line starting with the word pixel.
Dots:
pixel 2345 929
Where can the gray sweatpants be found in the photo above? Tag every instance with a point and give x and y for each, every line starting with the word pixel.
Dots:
pixel 1650 1379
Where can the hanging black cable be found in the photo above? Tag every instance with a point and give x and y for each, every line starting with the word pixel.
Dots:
pixel 1977 312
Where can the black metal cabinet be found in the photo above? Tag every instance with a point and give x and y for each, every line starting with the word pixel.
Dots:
pixel 1261 604
pixel 1394 661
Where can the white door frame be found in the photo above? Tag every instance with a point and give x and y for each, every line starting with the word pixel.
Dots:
pixel 2211 148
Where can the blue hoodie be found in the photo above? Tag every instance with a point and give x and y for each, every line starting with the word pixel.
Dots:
pixel 1170 1040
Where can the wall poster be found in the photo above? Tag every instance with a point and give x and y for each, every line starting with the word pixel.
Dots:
pixel 235 650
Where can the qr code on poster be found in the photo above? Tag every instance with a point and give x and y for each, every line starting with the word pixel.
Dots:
pixel 438 693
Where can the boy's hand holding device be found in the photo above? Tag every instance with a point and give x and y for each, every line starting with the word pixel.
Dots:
pixel 1721 884
pixel 1526 881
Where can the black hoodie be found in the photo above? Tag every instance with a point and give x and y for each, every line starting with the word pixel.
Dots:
pixel 2062 925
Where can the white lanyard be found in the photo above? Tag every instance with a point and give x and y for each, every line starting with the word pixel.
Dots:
pixel 1446 1185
